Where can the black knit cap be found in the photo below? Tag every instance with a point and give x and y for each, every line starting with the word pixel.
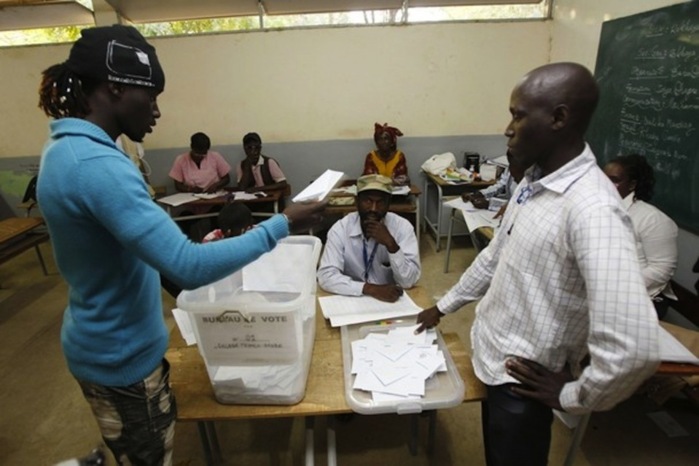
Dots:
pixel 118 54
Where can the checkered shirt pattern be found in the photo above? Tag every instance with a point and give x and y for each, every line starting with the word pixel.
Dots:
pixel 561 280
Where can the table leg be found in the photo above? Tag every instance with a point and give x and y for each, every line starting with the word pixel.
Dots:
pixel 427 223
pixel 332 448
pixel 451 228
pixel 41 259
pixel 440 208
pixel 432 415
pixel 418 220
pixel 310 430
pixel 575 442
pixel 205 444
pixel 434 227
pixel 213 439
pixel 414 432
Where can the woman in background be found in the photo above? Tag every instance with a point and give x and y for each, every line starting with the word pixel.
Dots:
pixel 656 233
pixel 387 160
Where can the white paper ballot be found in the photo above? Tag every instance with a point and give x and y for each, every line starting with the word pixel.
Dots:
pixel 398 364
pixel 671 350
pixel 321 187
pixel 400 190
pixel 276 270
pixel 177 199
pixel 347 310
pixel 474 218
pixel 488 172
pixel 184 324
pixel 501 161
pixel 219 193
pixel 243 196
pixel 458 203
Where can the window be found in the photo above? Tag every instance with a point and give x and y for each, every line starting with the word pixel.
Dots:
pixel 82 17
pixel 411 15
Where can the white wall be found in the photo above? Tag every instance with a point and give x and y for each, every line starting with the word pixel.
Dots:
pixel 309 85
pixel 333 84
pixel 575 37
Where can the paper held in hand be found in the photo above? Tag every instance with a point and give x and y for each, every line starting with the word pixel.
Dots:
pixel 321 187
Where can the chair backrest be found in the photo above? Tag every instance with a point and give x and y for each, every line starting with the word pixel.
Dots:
pixel 30 192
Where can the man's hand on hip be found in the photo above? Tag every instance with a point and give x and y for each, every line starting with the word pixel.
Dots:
pixel 538 382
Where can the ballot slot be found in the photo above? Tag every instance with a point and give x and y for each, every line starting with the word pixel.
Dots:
pixel 255 328
pixel 405 377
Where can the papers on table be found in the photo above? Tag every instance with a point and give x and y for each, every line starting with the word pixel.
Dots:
pixel 488 172
pixel 321 187
pixel 346 310
pixel 395 365
pixel 400 190
pixel 671 350
pixel 210 195
pixel 499 161
pixel 474 218
pixel 177 199
pixel 349 190
pixel 458 203
pixel 243 196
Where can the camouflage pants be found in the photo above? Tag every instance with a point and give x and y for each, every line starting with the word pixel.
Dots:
pixel 137 422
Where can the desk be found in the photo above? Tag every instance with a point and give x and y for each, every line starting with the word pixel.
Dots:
pixel 272 198
pixel 407 204
pixel 17 235
pixel 664 369
pixel 487 232
pixel 442 189
pixel 325 394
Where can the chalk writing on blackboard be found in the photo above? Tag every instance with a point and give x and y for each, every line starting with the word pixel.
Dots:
pixel 648 71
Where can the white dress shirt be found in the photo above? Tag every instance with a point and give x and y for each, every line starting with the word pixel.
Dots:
pixel 342 266
pixel 561 280
pixel 656 244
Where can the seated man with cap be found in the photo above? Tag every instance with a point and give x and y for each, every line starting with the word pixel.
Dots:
pixel 372 251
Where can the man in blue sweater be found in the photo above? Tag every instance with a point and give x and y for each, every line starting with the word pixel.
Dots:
pixel 110 239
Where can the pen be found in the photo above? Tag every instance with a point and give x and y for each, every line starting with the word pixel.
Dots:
pixel 390 322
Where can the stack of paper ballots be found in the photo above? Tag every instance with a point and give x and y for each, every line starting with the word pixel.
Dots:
pixel 397 364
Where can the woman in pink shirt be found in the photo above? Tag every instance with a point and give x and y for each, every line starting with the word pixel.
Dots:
pixel 200 170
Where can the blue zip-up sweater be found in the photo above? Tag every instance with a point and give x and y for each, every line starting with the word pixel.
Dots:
pixel 109 240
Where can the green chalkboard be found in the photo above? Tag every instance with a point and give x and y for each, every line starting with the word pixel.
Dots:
pixel 648 71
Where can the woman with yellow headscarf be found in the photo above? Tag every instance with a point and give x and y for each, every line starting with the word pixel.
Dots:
pixel 387 160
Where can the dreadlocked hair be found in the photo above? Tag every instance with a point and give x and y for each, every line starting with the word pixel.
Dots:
pixel 639 170
pixel 62 93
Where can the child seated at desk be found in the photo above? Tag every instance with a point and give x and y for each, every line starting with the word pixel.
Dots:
pixel 257 172
pixel 233 220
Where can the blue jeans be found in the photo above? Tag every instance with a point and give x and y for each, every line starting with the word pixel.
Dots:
pixel 137 422
pixel 516 430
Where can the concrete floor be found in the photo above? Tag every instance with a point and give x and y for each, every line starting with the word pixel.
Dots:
pixel 44 418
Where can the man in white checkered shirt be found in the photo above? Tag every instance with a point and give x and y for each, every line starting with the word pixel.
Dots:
pixel 559 281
